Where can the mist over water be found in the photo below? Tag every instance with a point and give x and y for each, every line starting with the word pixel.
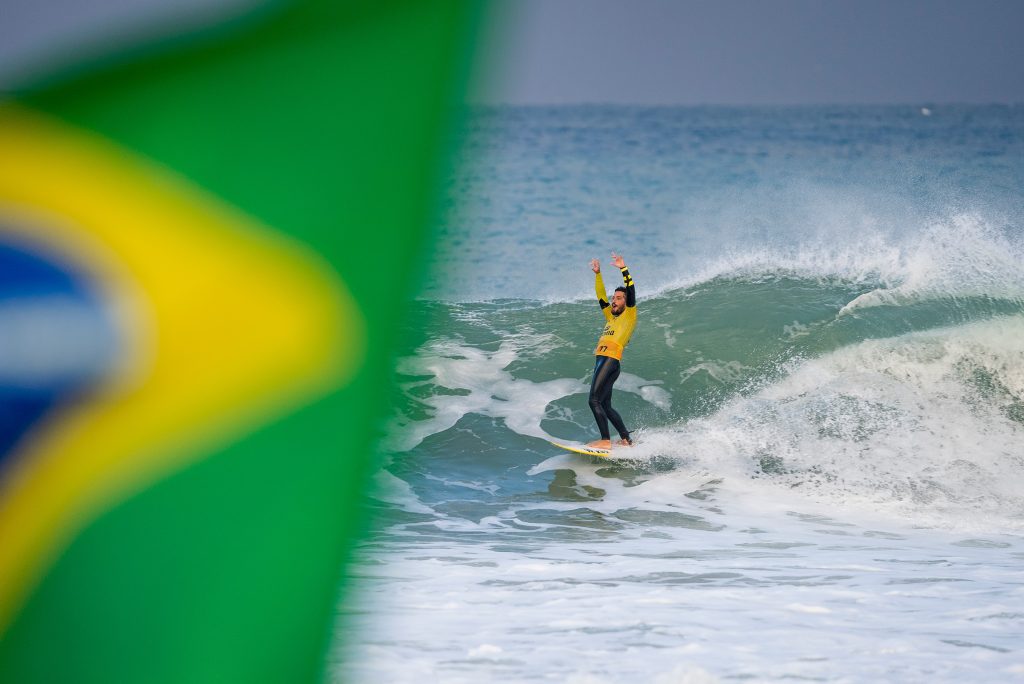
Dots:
pixel 685 190
pixel 826 384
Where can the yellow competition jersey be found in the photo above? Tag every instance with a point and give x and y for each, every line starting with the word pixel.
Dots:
pixel 617 329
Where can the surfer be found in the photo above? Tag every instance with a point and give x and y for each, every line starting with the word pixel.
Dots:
pixel 620 319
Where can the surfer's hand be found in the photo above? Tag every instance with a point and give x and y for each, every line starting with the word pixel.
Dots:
pixel 595 265
pixel 618 261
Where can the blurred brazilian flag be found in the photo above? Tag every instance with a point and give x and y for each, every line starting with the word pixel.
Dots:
pixel 207 230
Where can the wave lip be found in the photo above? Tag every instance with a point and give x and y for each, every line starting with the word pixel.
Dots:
pixel 966 258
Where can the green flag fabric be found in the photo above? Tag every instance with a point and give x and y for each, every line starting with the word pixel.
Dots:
pixel 204 249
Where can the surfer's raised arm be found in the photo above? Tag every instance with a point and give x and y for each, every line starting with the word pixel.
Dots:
pixel 602 294
pixel 627 279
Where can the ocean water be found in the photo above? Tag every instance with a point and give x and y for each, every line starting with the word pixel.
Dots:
pixel 826 385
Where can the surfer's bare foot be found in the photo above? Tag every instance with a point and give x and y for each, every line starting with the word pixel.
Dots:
pixel 623 442
pixel 601 444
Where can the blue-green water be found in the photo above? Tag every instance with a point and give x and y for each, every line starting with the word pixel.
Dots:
pixel 826 383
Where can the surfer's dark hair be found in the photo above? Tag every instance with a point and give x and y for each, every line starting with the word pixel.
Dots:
pixel 622 290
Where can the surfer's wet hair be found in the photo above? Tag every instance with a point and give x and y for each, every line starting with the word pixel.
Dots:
pixel 622 290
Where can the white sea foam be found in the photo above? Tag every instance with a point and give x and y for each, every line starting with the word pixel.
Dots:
pixel 926 425
pixel 774 599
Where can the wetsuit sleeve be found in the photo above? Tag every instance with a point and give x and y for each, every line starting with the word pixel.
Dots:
pixel 602 295
pixel 627 280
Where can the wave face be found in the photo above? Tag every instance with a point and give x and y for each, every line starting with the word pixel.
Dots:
pixel 826 385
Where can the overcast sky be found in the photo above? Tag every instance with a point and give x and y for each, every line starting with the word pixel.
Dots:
pixel 643 51
pixel 753 52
